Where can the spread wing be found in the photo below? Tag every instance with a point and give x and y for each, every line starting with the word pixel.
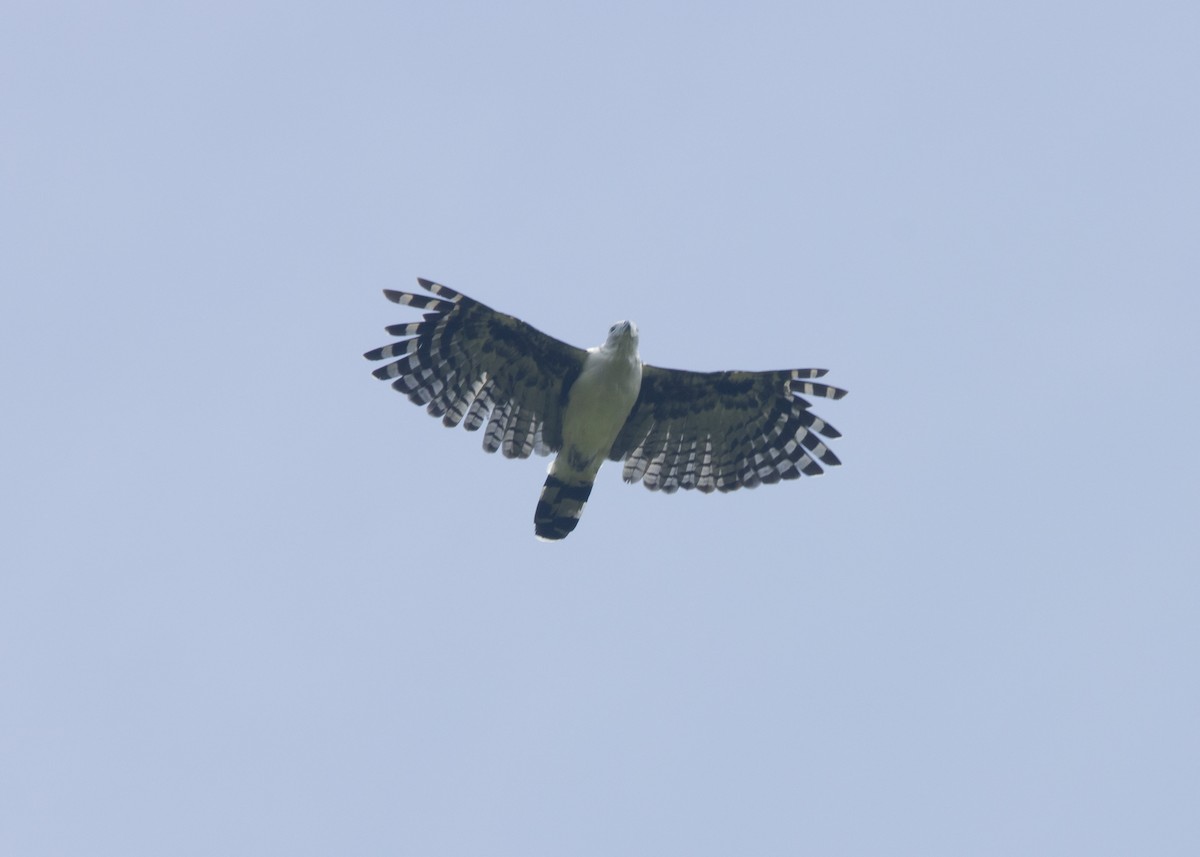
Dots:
pixel 724 430
pixel 468 363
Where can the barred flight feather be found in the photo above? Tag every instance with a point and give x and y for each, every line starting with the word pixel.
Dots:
pixel 477 414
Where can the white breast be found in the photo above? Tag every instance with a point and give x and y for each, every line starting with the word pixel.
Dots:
pixel 600 400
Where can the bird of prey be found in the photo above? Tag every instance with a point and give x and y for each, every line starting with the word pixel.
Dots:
pixel 466 362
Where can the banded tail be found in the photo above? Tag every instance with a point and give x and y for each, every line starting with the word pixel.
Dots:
pixel 561 504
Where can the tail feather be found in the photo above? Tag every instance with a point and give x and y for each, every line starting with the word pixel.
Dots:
pixel 560 506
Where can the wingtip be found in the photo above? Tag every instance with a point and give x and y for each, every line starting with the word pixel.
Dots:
pixel 444 292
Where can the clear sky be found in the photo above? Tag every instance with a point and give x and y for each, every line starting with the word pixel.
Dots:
pixel 254 602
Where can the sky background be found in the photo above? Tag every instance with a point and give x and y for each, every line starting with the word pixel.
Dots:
pixel 252 601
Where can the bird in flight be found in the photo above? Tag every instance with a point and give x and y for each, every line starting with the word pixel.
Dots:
pixel 467 363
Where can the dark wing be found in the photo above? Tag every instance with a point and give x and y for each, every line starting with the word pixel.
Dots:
pixel 468 363
pixel 724 430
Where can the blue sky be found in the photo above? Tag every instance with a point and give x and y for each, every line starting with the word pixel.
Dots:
pixel 253 601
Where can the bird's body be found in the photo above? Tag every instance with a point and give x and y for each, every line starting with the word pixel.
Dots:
pixel 674 429
pixel 598 404
pixel 599 401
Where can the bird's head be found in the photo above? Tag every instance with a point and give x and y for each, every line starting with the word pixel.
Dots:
pixel 623 334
